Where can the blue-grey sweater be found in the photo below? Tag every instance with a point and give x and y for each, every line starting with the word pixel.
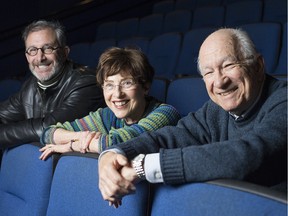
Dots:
pixel 210 144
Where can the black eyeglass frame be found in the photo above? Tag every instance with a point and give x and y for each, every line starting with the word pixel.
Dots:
pixel 43 49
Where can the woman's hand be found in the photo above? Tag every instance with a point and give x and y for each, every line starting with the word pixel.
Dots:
pixel 49 149
pixel 89 141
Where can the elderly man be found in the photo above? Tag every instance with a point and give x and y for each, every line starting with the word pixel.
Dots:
pixel 59 91
pixel 241 133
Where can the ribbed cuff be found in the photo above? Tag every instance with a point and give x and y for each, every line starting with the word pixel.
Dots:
pixel 172 166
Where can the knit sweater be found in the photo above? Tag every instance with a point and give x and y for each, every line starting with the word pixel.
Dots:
pixel 114 130
pixel 210 144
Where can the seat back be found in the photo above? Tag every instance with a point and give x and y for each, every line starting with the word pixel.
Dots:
pixel 151 25
pixel 159 89
pixel 275 11
pixel 267 39
pixel 187 94
pixel 243 12
pixel 97 48
pixel 106 30
pixel 79 52
pixel 25 181
pixel 137 42
pixel 213 198
pixel 9 87
pixel 208 3
pixel 177 21
pixel 185 4
pixel 163 6
pixel 208 17
pixel 282 63
pixel 163 54
pixel 127 28
pixel 75 190
pixel 192 40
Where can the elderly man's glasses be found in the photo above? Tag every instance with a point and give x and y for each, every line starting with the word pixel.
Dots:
pixel 125 85
pixel 32 51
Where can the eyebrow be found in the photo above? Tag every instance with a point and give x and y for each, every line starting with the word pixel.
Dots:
pixel 120 80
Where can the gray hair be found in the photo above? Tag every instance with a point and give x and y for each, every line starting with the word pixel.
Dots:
pixel 43 24
pixel 245 48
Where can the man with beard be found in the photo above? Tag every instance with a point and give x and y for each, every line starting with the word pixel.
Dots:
pixel 59 91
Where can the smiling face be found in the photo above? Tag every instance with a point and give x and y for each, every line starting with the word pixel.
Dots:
pixel 44 66
pixel 229 82
pixel 128 104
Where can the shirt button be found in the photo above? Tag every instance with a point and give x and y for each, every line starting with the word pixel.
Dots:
pixel 157 175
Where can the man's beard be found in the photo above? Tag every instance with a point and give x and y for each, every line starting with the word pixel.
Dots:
pixel 54 71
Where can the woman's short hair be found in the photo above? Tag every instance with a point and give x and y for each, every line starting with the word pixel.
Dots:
pixel 126 61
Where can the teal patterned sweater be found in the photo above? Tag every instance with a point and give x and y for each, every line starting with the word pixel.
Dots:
pixel 114 130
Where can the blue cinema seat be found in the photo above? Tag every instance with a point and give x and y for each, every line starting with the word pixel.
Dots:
pixel 97 48
pixel 136 42
pixel 25 181
pixel 185 4
pixel 8 87
pixel 75 191
pixel 79 52
pixel 164 6
pixel 275 11
pixel 281 68
pixel 267 39
pixel 151 25
pixel 177 21
pixel 243 12
pixel 163 54
pixel 106 30
pixel 192 40
pixel 127 28
pixel 208 3
pixel 158 89
pixel 218 198
pixel 208 17
pixel 187 94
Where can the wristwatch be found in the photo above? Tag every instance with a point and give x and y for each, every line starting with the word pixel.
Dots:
pixel 138 165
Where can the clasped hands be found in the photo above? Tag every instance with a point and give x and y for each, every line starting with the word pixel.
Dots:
pixel 85 141
pixel 117 178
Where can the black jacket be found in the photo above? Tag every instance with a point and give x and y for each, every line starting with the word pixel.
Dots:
pixel 24 115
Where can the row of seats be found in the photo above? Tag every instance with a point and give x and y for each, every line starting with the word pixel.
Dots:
pixel 68 185
pixel 175 54
pixel 272 10
pixel 185 19
pixel 186 94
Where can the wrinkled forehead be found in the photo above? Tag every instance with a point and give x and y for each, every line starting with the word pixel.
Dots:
pixel 216 47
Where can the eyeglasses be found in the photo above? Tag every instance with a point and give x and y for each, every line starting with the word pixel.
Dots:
pixel 125 84
pixel 32 51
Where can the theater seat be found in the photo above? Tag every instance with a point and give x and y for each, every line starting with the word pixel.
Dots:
pixel 220 197
pixel 159 89
pixel 9 87
pixel 25 181
pixel 163 54
pixel 267 39
pixel 187 94
pixel 75 190
pixel 243 12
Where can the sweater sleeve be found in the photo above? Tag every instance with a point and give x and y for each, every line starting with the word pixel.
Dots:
pixel 91 122
pixel 209 145
pixel 159 117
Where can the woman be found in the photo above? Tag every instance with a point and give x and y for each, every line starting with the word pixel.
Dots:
pixel 125 76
